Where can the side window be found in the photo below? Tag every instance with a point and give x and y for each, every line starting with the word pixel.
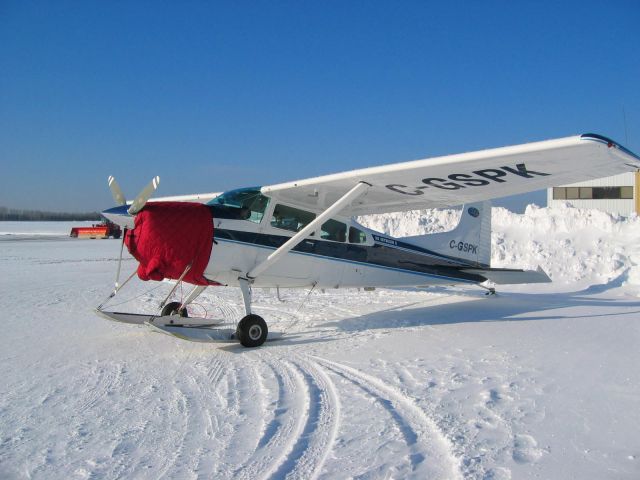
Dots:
pixel 242 204
pixel 357 236
pixel 333 230
pixel 289 218
pixel 256 207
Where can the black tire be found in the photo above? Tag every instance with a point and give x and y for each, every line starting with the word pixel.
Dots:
pixel 252 331
pixel 172 308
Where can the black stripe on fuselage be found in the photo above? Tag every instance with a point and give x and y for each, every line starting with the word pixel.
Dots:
pixel 382 255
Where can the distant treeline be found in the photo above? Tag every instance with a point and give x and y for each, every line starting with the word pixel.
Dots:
pixel 13 214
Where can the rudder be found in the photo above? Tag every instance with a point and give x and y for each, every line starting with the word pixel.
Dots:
pixel 470 241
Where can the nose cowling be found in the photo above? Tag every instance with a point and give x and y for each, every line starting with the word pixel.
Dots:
pixel 169 236
pixel 120 216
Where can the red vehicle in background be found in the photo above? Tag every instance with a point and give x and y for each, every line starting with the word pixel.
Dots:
pixel 105 229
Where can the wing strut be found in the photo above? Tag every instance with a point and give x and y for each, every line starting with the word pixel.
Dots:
pixel 341 203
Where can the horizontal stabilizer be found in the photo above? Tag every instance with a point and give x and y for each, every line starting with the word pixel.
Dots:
pixel 505 276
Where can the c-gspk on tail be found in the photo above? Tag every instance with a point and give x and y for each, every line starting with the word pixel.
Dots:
pixel 470 242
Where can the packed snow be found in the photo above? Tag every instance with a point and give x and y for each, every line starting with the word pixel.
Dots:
pixel 38 229
pixel 539 381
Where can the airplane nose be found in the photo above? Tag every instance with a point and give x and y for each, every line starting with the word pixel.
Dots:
pixel 120 216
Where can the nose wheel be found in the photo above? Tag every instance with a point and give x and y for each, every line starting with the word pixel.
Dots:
pixel 172 309
pixel 252 331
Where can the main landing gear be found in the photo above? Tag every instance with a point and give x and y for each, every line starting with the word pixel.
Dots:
pixel 252 330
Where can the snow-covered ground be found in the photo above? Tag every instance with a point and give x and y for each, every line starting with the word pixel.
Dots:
pixel 539 381
pixel 38 229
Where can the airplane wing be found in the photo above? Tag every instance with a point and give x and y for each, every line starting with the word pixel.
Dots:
pixel 464 178
pixel 195 197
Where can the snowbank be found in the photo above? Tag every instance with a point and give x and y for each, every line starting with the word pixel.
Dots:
pixel 36 229
pixel 570 244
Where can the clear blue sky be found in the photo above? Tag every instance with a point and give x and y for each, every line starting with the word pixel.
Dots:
pixel 218 95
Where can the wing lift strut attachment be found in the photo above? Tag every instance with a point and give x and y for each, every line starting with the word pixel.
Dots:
pixel 252 329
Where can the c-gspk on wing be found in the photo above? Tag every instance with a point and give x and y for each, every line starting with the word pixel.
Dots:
pixel 464 178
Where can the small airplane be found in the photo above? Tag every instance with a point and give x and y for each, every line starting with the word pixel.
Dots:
pixel 303 234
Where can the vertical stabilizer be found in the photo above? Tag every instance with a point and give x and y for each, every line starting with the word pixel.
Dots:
pixel 470 241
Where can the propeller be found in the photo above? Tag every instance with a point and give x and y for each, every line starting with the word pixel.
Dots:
pixel 123 216
pixel 143 196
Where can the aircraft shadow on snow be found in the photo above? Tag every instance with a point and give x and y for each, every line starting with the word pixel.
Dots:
pixel 510 306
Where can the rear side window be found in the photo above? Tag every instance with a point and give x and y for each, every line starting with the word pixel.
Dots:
pixel 357 236
pixel 289 218
pixel 333 230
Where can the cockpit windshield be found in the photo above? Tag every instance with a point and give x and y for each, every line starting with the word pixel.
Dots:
pixel 241 204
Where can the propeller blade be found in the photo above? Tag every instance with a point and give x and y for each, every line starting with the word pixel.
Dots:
pixel 143 196
pixel 116 192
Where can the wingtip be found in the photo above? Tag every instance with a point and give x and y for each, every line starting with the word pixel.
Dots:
pixel 595 137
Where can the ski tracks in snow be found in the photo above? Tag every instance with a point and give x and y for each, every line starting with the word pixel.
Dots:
pixel 304 421
pixel 430 454
pixel 257 415
pixel 271 415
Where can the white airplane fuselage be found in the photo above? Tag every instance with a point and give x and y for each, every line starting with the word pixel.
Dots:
pixel 231 257
pixel 380 260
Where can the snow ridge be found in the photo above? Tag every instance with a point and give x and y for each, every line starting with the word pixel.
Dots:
pixel 570 244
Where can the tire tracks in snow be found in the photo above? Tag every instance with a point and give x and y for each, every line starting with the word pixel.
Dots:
pixel 272 416
pixel 421 434
pixel 305 418
pixel 295 443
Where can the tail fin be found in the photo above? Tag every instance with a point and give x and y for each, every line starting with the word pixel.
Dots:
pixel 469 241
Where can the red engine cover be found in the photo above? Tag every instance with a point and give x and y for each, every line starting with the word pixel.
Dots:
pixel 168 236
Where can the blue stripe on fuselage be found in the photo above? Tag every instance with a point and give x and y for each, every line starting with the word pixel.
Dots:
pixel 377 256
